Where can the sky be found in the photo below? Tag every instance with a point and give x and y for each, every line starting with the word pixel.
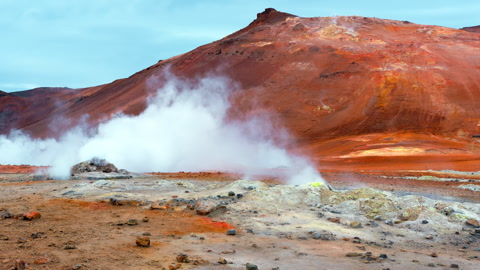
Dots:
pixel 82 43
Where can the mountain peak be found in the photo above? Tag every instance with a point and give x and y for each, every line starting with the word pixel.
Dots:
pixel 271 15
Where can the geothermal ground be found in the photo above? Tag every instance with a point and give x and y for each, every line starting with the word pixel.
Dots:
pixel 374 220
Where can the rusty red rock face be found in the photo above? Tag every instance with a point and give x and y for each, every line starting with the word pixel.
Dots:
pixel 351 90
pixel 32 215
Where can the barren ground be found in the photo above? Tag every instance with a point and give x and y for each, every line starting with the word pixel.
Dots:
pixel 278 226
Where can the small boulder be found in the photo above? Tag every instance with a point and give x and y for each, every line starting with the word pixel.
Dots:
pixel 143 241
pixel 473 223
pixel 356 225
pixel 31 216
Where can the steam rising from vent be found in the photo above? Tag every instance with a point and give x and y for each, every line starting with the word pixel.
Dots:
pixel 184 128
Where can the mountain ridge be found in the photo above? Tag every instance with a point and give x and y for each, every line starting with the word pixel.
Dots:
pixel 399 87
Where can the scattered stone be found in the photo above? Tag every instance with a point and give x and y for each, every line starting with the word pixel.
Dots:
pixel 429 237
pixel 334 220
pixel 232 232
pixel 42 260
pixel 434 254
pixel 431 265
pixel 323 236
pixel 69 246
pixel 473 223
pixel 174 266
pixel 231 193
pixel 424 221
pixel 143 241
pixel 182 258
pixel 21 240
pixel 222 261
pixel 239 196
pixel 383 256
pixel 389 222
pixel 250 266
pixel 19 265
pixel 356 225
pixel 5 214
pixel 356 240
pixel 132 222
pixel 31 216
pixel 120 202
pixel 354 254
pixel 454 266
pixel 145 219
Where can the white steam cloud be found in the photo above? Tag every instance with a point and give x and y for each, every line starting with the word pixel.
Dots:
pixel 182 129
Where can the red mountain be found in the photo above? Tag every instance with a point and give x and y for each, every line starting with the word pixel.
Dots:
pixel 351 90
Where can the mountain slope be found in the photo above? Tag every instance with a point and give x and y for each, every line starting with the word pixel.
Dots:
pixel 347 88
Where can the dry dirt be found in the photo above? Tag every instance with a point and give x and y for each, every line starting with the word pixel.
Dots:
pixel 276 224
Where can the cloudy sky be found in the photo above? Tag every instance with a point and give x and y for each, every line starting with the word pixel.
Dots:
pixel 81 43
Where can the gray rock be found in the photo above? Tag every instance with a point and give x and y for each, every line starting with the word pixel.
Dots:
pixel 250 266
pixel 232 232
pixel 206 206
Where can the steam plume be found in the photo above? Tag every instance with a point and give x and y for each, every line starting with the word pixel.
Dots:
pixel 184 128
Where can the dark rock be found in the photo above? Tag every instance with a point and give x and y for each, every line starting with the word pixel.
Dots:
pixel 250 266
pixel 356 240
pixel 424 221
pixel 231 193
pixel 232 232
pixel 454 265
pixel 239 196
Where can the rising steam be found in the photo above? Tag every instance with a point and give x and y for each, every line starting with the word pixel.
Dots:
pixel 182 129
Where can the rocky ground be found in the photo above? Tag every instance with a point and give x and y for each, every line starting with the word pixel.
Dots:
pixel 408 220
